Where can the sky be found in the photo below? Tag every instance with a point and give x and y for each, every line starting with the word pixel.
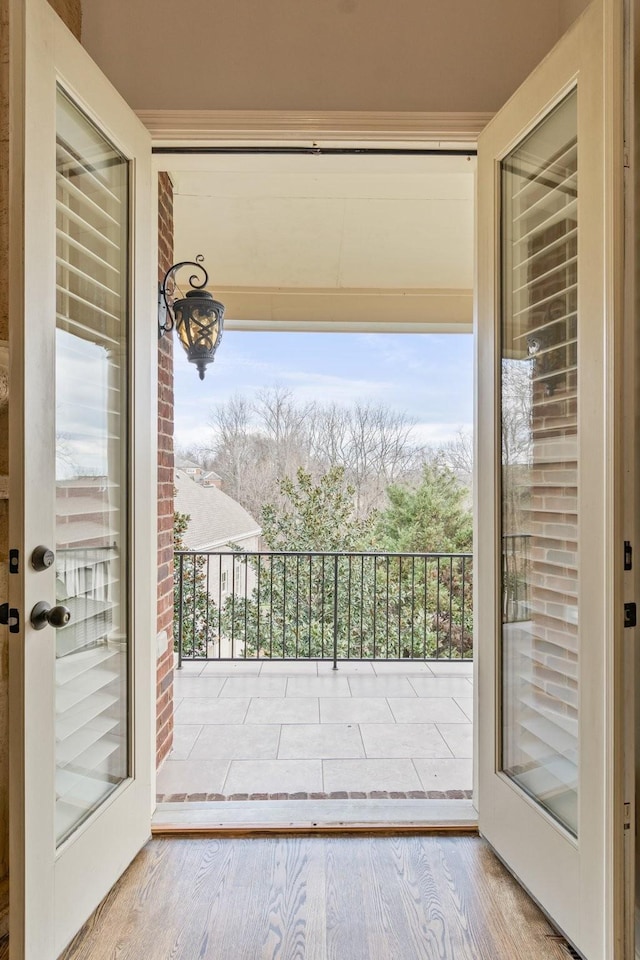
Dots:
pixel 427 376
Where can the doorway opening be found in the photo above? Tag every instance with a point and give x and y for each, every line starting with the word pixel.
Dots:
pixel 346 258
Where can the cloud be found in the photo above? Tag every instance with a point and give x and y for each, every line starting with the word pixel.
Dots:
pixel 329 388
pixel 84 375
pixel 192 435
pixel 439 432
pixel 428 377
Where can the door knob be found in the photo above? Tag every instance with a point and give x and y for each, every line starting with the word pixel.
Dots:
pixel 43 615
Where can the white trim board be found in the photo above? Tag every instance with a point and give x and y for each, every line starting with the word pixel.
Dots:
pixel 310 814
pixel 343 309
pixel 221 127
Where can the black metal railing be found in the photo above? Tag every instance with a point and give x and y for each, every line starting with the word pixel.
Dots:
pixel 323 606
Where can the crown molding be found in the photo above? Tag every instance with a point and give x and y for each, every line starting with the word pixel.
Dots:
pixel 211 127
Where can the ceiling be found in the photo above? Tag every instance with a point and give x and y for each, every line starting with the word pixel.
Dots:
pixel 336 241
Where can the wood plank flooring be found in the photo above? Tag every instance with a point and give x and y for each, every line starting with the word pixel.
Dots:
pixel 317 898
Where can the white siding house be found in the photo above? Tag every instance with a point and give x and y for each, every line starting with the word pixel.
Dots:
pixel 218 522
pixel 218 525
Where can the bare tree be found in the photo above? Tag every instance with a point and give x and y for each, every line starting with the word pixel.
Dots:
pixel 232 444
pixel 286 426
pixel 377 450
pixel 517 402
pixel 66 464
pixel 328 434
pixel 457 455
pixel 258 442
pixel 517 443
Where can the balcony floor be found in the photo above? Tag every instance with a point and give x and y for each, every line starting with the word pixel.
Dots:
pixel 272 730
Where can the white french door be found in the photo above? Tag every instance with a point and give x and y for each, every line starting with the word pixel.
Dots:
pixel 82 491
pixel 549 541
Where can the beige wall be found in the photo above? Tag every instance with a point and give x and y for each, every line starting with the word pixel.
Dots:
pixel 70 12
pixel 569 10
pixel 322 54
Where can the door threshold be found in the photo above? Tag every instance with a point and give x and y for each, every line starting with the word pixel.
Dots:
pixel 260 817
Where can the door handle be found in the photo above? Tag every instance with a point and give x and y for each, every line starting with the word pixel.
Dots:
pixel 43 615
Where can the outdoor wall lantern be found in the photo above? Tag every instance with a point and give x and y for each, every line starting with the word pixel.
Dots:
pixel 197 317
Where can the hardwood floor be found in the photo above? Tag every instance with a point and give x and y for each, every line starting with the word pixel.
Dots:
pixel 315 898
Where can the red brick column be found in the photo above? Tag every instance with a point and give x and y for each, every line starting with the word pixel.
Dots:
pixel 164 704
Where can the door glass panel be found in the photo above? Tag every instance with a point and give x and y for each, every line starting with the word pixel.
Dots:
pixel 91 468
pixel 539 397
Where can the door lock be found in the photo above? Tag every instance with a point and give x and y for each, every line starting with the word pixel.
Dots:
pixel 43 615
pixel 42 558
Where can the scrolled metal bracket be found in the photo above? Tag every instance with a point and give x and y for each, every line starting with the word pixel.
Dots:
pixel 166 318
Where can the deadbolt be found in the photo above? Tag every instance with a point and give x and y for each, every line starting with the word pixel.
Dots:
pixel 42 558
pixel 43 615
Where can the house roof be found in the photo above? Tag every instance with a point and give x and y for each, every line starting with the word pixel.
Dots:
pixel 216 518
pixel 184 464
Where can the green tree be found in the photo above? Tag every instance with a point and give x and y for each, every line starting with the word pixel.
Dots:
pixel 191 598
pixel 302 589
pixel 434 518
pixel 316 515
pixel 327 582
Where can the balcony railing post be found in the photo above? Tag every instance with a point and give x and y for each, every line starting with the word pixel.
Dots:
pixel 335 612
pixel 180 612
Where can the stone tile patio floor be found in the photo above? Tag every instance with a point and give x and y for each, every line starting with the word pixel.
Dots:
pixel 244 729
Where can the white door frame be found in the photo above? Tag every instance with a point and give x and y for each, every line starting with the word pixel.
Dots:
pixel 259 129
pixel 391 130
pixel 602 834
pixel 60 888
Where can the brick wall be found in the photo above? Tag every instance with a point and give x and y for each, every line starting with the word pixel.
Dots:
pixel 164 715
pixel 553 518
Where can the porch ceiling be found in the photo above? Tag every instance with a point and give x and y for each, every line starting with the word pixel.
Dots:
pixel 335 241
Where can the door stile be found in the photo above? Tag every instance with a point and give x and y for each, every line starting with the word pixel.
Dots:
pixel 619 246
pixel 579 882
pixel 53 890
pixel 30 772
pixel 626 719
